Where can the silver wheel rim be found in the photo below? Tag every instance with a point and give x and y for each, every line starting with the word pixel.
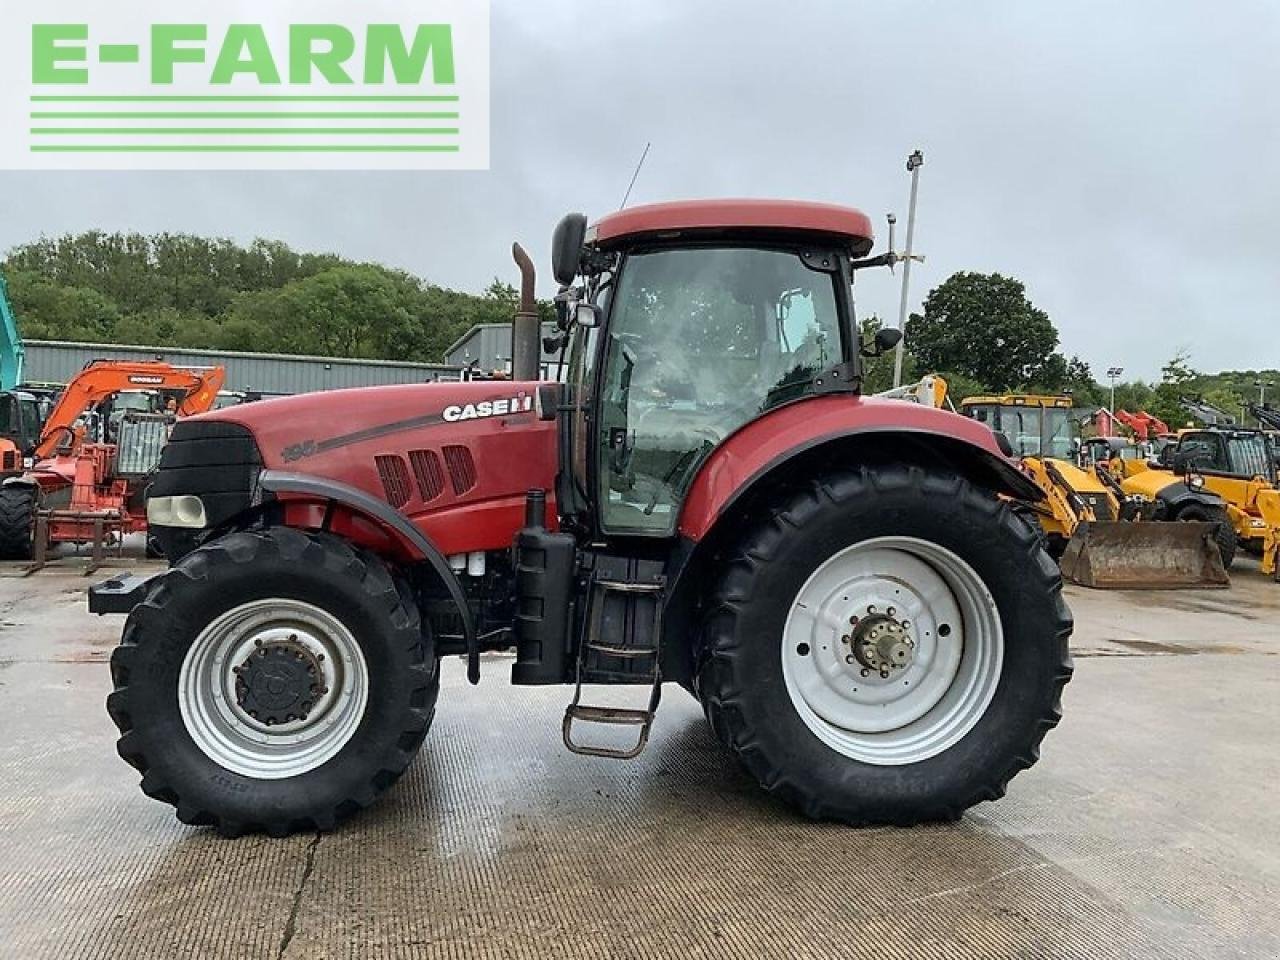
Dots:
pixel 883 694
pixel 219 722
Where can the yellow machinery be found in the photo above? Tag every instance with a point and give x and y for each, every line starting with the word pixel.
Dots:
pixel 1236 464
pixel 1103 539
pixel 1122 457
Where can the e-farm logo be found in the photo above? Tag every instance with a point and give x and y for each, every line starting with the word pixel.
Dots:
pixel 382 84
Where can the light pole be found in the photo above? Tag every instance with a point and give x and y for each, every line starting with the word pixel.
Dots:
pixel 914 163
pixel 1113 374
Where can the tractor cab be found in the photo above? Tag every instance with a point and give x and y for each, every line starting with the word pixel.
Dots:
pixel 692 321
pixel 1035 426
pixel 20 422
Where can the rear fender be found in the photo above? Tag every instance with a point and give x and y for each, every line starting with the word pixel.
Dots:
pixel 824 430
pixel 734 485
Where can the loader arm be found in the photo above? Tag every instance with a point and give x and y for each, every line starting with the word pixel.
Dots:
pixel 102 379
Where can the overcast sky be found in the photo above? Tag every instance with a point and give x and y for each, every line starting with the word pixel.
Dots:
pixel 1120 158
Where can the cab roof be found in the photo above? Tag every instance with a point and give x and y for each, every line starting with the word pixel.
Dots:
pixel 701 218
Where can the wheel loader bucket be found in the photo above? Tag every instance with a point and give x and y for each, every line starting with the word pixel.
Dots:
pixel 1144 556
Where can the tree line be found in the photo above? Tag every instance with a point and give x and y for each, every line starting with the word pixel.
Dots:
pixel 178 290
pixel 981 331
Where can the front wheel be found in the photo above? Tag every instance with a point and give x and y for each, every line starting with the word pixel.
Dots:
pixel 17 521
pixel 274 681
pixel 1224 534
pixel 890 647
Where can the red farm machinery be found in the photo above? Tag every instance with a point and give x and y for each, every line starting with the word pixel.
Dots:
pixel 96 450
pixel 846 583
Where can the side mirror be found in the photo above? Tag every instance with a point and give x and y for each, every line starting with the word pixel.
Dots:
pixel 1002 441
pixel 1182 463
pixel 886 339
pixel 586 315
pixel 566 247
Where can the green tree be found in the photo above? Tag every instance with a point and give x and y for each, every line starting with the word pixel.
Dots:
pixel 984 327
pixel 1177 380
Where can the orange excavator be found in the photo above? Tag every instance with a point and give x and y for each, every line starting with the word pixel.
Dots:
pixel 99 443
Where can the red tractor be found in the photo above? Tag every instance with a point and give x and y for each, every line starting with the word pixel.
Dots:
pixel 847 584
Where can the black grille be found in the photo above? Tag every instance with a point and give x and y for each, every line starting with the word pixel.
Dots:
pixel 428 472
pixel 214 460
pixel 395 478
pixel 462 469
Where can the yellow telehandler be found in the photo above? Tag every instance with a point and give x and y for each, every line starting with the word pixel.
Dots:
pixel 1102 536
pixel 1238 466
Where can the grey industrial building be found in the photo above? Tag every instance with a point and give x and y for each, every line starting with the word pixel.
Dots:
pixel 487 347
pixel 55 361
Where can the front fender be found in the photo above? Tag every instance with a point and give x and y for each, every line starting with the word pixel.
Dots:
pixel 397 525
pixel 882 428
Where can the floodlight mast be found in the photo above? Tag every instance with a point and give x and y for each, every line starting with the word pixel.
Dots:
pixel 914 163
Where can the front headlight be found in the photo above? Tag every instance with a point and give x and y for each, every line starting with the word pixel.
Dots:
pixel 183 511
pixel 1195 483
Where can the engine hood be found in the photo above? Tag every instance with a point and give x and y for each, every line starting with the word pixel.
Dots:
pixel 292 430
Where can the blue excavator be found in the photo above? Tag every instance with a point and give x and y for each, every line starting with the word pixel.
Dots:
pixel 11 352
pixel 20 411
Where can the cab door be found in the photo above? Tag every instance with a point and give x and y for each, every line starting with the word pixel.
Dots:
pixel 700 341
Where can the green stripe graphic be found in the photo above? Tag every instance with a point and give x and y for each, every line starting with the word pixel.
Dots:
pixel 225 115
pixel 242 131
pixel 244 148
pixel 243 99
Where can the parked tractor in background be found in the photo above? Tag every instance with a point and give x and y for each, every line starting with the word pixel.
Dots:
pixel 1101 536
pixel 843 581
pixel 84 478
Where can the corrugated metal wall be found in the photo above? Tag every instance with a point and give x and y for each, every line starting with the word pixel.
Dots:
pixel 488 345
pixel 57 362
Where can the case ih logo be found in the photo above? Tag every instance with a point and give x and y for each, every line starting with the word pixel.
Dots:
pixel 488 408
pixel 320 84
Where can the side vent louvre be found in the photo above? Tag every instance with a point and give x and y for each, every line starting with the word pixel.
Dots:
pixel 395 479
pixel 462 468
pixel 428 472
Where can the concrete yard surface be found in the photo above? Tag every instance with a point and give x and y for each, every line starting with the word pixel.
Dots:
pixel 1151 826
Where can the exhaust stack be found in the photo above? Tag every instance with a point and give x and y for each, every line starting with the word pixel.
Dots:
pixel 526 330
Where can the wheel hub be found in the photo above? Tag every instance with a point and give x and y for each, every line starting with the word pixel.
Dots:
pixel 279 682
pixel 892 650
pixel 882 644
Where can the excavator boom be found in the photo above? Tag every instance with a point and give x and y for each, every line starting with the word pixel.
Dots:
pixel 101 379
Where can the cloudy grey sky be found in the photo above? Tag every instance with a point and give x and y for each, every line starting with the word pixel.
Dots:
pixel 1120 158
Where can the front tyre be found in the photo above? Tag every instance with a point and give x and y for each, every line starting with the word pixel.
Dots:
pixel 1223 534
pixel 273 681
pixel 889 647
pixel 17 521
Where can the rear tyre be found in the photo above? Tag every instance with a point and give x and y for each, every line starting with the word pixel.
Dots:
pixel 17 521
pixel 1223 533
pixel 273 681
pixel 889 647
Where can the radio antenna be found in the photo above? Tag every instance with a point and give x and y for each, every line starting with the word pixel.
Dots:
pixel 627 195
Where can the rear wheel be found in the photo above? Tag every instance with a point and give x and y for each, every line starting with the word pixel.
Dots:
pixel 890 647
pixel 1223 533
pixel 17 521
pixel 274 681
